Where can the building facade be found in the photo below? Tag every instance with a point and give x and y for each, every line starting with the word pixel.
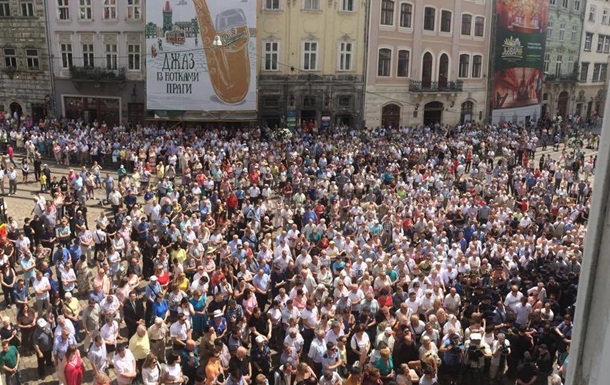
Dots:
pixel 97 49
pixel 427 62
pixel 590 93
pixel 311 62
pixel 561 58
pixel 25 86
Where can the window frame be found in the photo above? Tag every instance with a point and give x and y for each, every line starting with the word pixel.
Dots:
pixel 10 57
pixel 274 62
pixel 426 16
pixel 386 70
pixel 577 4
pixel 311 5
pixel 588 42
pixel 29 6
pixel 592 12
pixel 406 15
pixel 558 65
pixel 466 23
pixel 32 58
pixel 5 8
pixel 574 35
pixel 348 5
pixel 584 66
pixel 85 7
pixel 134 57
pixel 386 17
pixel 67 59
pixel 345 55
pixel 464 68
pixel 403 73
pixel 111 54
pixel 562 31
pixel 63 10
pixel 476 26
pixel 547 62
pixel 269 5
pixel 479 70
pixel 110 10
pixel 549 30
pixel 443 13
pixel 88 55
pixel 134 9
pixel 306 55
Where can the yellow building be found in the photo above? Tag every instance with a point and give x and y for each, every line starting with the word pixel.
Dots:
pixel 311 64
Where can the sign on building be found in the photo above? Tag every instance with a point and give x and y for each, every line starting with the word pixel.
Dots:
pixel 518 68
pixel 201 56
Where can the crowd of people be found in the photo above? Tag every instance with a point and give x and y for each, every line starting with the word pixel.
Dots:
pixel 377 257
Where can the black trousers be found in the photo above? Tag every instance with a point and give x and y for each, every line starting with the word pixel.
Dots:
pixel 45 360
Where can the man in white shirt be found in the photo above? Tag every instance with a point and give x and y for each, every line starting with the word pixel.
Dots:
pixel 124 366
pixel 42 286
pixel 452 302
pixel 179 332
pixel 512 299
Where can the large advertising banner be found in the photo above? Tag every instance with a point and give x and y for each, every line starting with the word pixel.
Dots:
pixel 518 68
pixel 201 55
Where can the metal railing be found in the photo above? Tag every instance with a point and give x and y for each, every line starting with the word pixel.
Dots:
pixel 96 74
pixel 424 86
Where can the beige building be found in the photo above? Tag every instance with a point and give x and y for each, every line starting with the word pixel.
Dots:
pixel 427 62
pixel 311 62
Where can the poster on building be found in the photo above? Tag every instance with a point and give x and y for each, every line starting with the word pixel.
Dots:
pixel 201 55
pixel 518 67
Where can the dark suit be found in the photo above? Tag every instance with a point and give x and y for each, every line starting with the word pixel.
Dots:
pixel 133 315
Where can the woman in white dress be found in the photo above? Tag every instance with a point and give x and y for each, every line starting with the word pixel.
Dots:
pixel 151 372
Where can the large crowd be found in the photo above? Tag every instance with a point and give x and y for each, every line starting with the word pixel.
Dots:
pixel 360 257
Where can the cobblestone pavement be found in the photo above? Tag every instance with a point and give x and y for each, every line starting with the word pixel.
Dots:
pixel 20 206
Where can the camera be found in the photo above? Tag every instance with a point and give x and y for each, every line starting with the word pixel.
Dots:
pixel 504 350
pixel 474 352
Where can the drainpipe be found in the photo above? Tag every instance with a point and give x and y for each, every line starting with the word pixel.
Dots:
pixel 50 56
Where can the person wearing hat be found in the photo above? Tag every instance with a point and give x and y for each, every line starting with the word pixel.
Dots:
pixel 43 345
pixel 477 351
pixel 151 291
pixel 261 356
pixel 157 337
pixel 219 323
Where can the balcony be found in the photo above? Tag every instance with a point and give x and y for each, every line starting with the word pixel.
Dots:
pixel 419 86
pixel 97 75
pixel 568 78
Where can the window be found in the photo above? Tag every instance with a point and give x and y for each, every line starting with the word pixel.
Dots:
pixel 466 24
pixel 477 66
pixel 549 30
pixel 134 10
pixel 600 43
pixel 347 5
pixel 603 71
pixel 562 31
pixel 574 37
pixel 570 65
pixel 596 72
pixel 310 55
pixel 464 65
pixel 605 16
pixel 110 10
pixel 592 13
pixel 27 8
pixel 272 52
pixel 553 2
pixel 63 10
pixel 577 5
pixel 133 57
pixel 607 44
pixel 272 5
pixel 111 57
pixel 387 12
pixel 588 41
pixel 345 56
pixel 88 56
pixel 312 5
pixel 5 8
pixel 385 59
pixel 564 3
pixel 547 60
pixel 403 63
pixel 345 101
pixel 31 56
pixel 10 58
pixel 66 55
pixel 429 15
pixel 479 26
pixel 584 71
pixel 85 11
pixel 406 15
pixel 446 21
pixel 558 64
